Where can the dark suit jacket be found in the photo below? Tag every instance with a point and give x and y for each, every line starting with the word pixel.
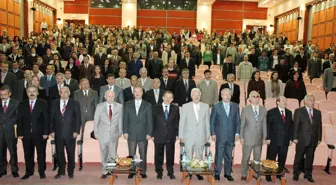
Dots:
pixel 73 85
pixel 221 58
pixel 282 72
pixel 190 67
pixel 41 51
pixel 11 81
pixel 302 61
pixel 19 74
pixel 86 72
pixel 137 126
pixel 150 97
pixel 170 84
pixel 128 95
pixel 36 122
pixel 99 60
pixel 9 119
pixel 181 92
pixel 54 93
pixel 74 71
pixel 226 71
pixel 154 69
pixel 325 65
pixel 278 132
pixel 292 92
pixel 165 131
pixel 305 130
pixel 235 95
pixel 65 126
pixel 133 68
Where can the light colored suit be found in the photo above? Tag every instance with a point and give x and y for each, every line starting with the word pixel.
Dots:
pixel 253 132
pixel 165 58
pixel 142 50
pixel 209 93
pixel 126 83
pixel 328 79
pixel 108 131
pixel 148 84
pixel 195 133
pixel 118 91
pixel 268 88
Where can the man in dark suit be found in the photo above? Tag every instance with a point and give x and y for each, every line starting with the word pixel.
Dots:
pixel 8 118
pixel 134 66
pixel 225 129
pixel 86 69
pixel 72 83
pixel 165 131
pixel 151 47
pixel 49 79
pixel 167 84
pixel 327 64
pixel 42 47
pixel 235 97
pixel 154 96
pixel 314 66
pixel 123 51
pixel 282 69
pixel 138 127
pixel 302 58
pixel 280 130
pixel 22 85
pixel 100 57
pixel 33 130
pixel 55 90
pixel 16 70
pixel 8 79
pixel 307 136
pixel 228 67
pixel 88 100
pixel 188 63
pixel 155 66
pixel 183 88
pixel 129 91
pixel 65 125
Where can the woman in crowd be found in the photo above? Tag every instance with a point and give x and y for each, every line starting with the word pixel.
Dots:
pixel 274 86
pixel 98 79
pixel 295 87
pixel 208 56
pixel 256 84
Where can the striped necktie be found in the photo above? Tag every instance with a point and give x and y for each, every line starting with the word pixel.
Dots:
pixel 256 114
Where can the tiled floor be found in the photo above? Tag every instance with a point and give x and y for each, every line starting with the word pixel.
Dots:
pixel 91 175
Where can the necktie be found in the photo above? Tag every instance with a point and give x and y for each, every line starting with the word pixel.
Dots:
pixel 256 114
pixel 110 112
pixel 283 116
pixel 226 109
pixel 156 95
pixel 186 84
pixel 86 97
pixel 165 81
pixel 166 112
pixel 122 83
pixel 137 107
pixel 31 106
pixel 5 107
pixel 59 87
pixel 311 114
pixel 64 107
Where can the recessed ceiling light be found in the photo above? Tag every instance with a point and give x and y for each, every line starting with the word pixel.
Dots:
pixel 158 5
pixel 163 2
pixel 168 2
pixel 186 1
pixel 173 5
pixel 273 1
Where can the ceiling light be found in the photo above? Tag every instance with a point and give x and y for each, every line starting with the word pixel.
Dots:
pixel 173 5
pixel 163 2
pixel 186 1
pixel 158 5
pixel 92 2
pixel 273 1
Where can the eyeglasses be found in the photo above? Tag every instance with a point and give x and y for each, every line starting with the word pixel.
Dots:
pixel 255 96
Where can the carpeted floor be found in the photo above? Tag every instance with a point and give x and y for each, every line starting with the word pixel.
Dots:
pixel 91 175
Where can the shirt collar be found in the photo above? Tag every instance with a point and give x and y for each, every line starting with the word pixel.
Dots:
pixel 280 109
pixel 66 101
pixel 34 100
pixel 7 101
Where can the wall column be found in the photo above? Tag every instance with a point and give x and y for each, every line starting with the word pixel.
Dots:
pixel 129 13
pixel 203 19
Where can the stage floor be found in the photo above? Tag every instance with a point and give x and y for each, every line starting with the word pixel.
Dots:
pixel 91 175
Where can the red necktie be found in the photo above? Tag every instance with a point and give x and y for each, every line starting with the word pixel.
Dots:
pixel 311 114
pixel 64 107
pixel 283 116
pixel 31 106
pixel 5 107
pixel 110 113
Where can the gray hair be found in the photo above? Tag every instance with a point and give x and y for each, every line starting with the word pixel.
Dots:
pixel 61 75
pixel 226 90
pixel 253 93
pixel 143 70
pixel 195 90
pixel 109 91
pixel 309 96
pixel 66 88
pixel 230 75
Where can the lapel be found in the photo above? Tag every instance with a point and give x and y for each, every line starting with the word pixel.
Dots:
pixel 252 113
pixel 280 116
pixel 307 115
pixel 106 113
pixel 35 106
pixel 222 109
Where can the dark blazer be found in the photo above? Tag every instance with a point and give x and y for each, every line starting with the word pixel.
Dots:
pixel 302 61
pixel 54 93
pixel 47 84
pixel 190 67
pixel 182 94
pixel 165 131
pixel 42 50
pixel 137 126
pixel 36 121
pixel 258 86
pixel 170 84
pixel 292 92
pixel 11 81
pixel 128 95
pixel 226 71
pixel 65 126
pixel 74 71
pixel 305 131
pixel 150 97
pixel 19 74
pixel 73 85
pixel 282 72
pixel 155 69
pixel 326 65
pixel 21 90
pixel 133 68
pixel 235 95
pixel 86 72
pixel 221 58
pixel 9 119
pixel 99 60
pixel 278 132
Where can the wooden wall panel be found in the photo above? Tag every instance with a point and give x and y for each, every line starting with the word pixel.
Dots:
pixel 105 20
pixel 3 17
pixel 181 14
pixel 327 41
pixel 17 8
pixel 17 21
pixel 147 21
pixel 3 4
pixel 227 5
pixel 330 13
pixel 10 6
pixel 223 24
pixel 227 15
pixel 322 16
pixel 105 11
pixel 17 32
pixel 321 30
pixel 10 19
pixel 314 31
pixel 315 17
pixel 255 15
pixel 174 22
pixel 151 13
pixel 329 28
pixel 76 9
pixel 320 42
pixel 11 31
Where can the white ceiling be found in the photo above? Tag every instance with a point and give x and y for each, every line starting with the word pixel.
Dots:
pixel 270 3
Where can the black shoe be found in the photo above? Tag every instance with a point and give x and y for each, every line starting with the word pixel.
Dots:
pixel 104 176
pixel 131 175
pixel 42 176
pixel 144 176
pixel 279 177
pixel 268 178
pixel 55 168
pixel 15 175
pixel 229 177
pixel 217 177
pixel 296 177
pixel 26 176
pixel 243 178
pixel 171 176
pixel 199 177
pixel 71 176
pixel 309 178
pixel 159 176
pixel 59 175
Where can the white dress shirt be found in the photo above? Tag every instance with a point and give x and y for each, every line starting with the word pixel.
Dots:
pixel 67 81
pixel 143 81
pixel 283 111
pixel 86 92
pixel 207 82
pixel 164 107
pixel 62 103
pixel 32 103
pixel 255 108
pixel 7 101
pixel 156 94
pixel 111 87
pixel 108 108
pixel 196 110
pixel 137 105
pixel 59 86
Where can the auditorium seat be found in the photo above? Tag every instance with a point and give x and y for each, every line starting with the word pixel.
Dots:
pixel 270 103
pixel 331 96
pixel 203 67
pixel 319 95
pixel 325 127
pixel 326 105
pixel 333 118
pixel 263 73
pixel 306 81
pixel 311 88
pixel 89 126
pixel 292 104
pixel 317 81
pixel 215 67
pixel 326 118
